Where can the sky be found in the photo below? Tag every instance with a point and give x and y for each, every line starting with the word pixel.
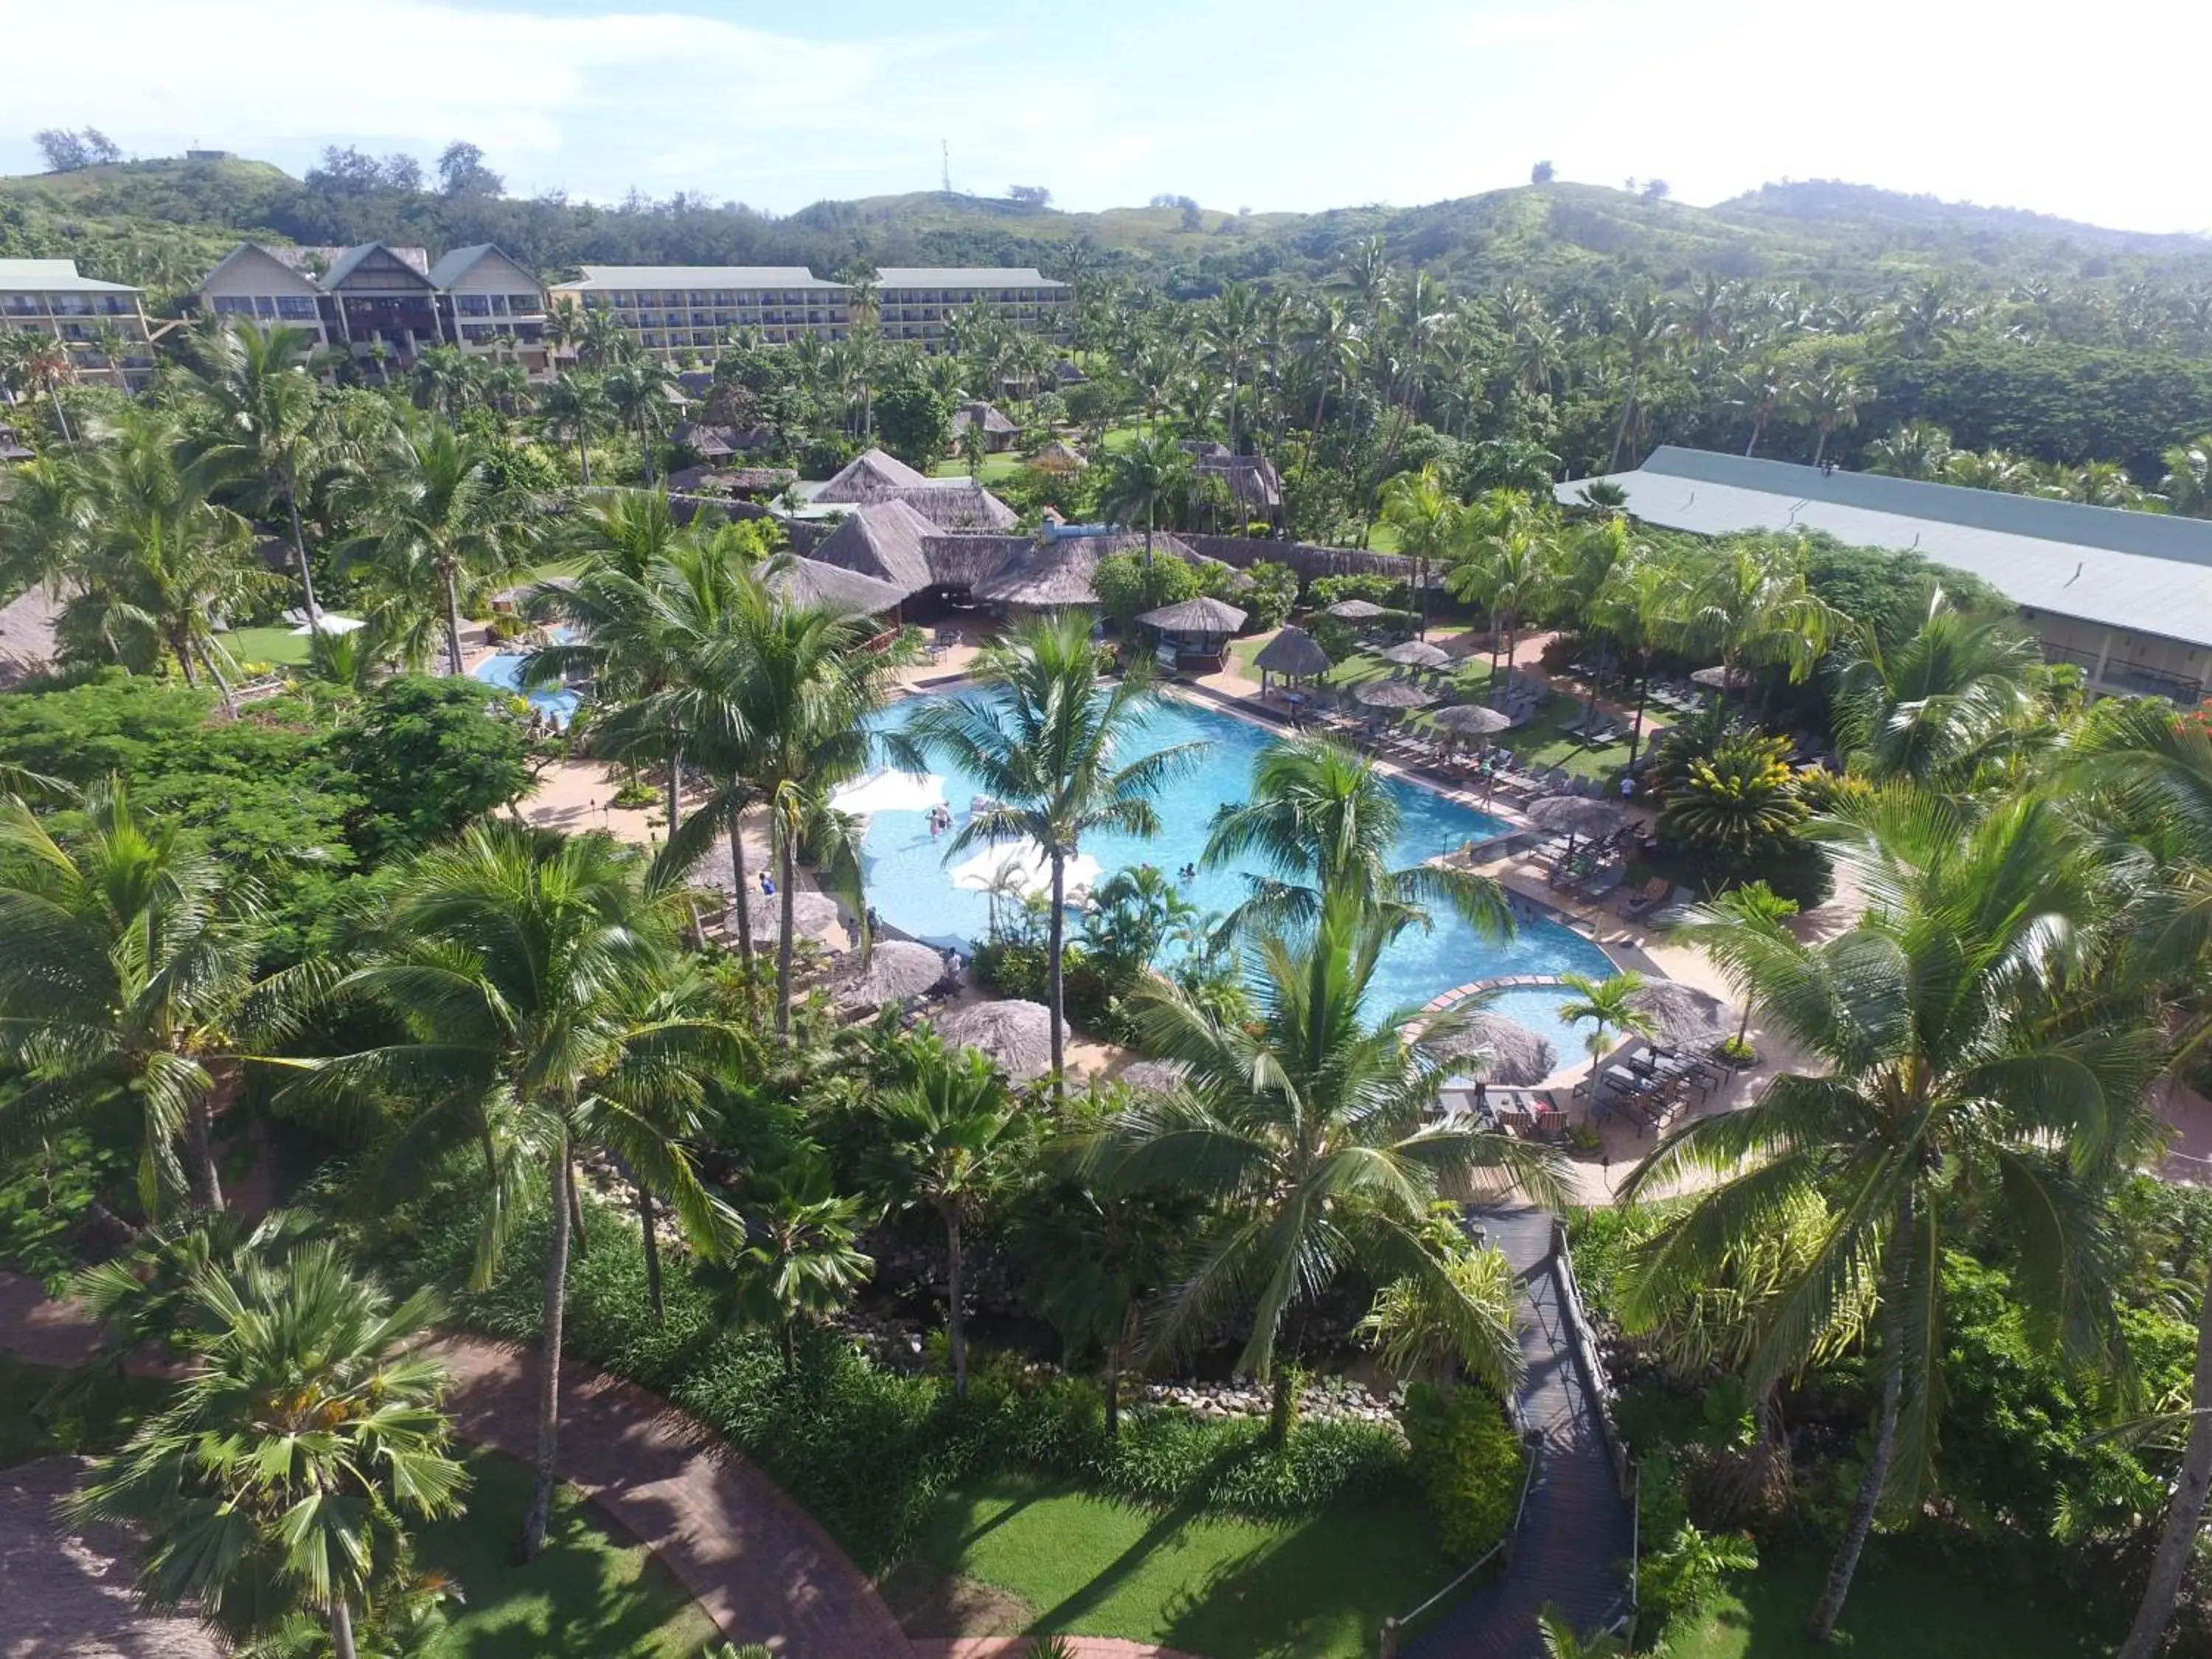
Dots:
pixel 2090 113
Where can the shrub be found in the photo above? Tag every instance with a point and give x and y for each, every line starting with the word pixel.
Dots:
pixel 1273 591
pixel 1739 803
pixel 1470 1463
pixel 1127 587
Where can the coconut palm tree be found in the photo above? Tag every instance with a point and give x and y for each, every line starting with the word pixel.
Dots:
pixel 527 972
pixel 1830 398
pixel 1643 327
pixel 266 428
pixel 2187 483
pixel 308 1428
pixel 1322 821
pixel 1509 564
pixel 129 976
pixel 1957 693
pixel 1303 1133
pixel 638 393
pixel 1761 391
pixel 1751 603
pixel 954 1139
pixel 572 407
pixel 161 566
pixel 1561 1641
pixel 1607 1007
pixel 1963 1039
pixel 1151 473
pixel 1917 449
pixel 437 527
pixel 1427 517
pixel 1640 605
pixel 1045 740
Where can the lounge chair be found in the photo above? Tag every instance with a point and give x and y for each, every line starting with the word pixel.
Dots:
pixel 1647 898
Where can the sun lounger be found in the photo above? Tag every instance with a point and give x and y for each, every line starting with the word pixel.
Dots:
pixel 1646 898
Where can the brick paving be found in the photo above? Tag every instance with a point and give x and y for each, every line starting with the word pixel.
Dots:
pixel 757 1563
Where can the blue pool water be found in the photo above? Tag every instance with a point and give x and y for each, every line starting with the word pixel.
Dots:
pixel 907 882
pixel 1537 1007
pixel 505 671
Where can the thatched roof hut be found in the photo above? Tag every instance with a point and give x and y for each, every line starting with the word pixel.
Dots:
pixel 1154 1077
pixel 994 423
pixel 1204 615
pixel 954 504
pixel 866 477
pixel 812 582
pixel 896 971
pixel 816 915
pixel 1500 1050
pixel 883 540
pixel 1294 653
pixel 1059 456
pixel 1357 611
pixel 1417 654
pixel 1016 1035
pixel 1394 694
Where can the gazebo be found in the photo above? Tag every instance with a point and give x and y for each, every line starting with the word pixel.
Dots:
pixel 1358 613
pixel 1293 653
pixel 1196 632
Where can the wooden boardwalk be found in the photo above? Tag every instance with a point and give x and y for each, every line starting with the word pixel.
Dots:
pixel 1575 1541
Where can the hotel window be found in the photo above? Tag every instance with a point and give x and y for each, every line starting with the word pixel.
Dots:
pixel 226 305
pixel 525 305
pixel 295 307
pixel 473 305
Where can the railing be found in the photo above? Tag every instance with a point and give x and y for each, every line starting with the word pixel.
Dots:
pixel 2128 676
pixel 1394 1629
pixel 1583 1338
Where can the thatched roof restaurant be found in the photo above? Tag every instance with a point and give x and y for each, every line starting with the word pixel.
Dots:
pixel 812 582
pixel 870 474
pixel 883 540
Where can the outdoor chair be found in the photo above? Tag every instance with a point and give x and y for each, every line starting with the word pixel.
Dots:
pixel 1646 898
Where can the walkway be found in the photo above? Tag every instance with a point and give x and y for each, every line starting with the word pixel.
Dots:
pixel 759 1565
pixel 1579 1532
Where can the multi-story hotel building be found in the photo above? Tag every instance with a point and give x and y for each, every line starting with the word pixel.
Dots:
pixel 672 309
pixel 376 300
pixel 102 325
pixel 917 302
pixel 676 308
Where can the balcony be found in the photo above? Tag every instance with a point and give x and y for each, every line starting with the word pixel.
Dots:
pixel 2129 678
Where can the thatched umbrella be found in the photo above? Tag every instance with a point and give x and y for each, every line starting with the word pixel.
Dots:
pixel 1394 694
pixel 817 916
pixel 1577 815
pixel 1682 1013
pixel 1418 654
pixel 1203 615
pixel 1717 679
pixel 896 971
pixel 1293 653
pixel 1015 1034
pixel 1471 719
pixel 1154 1077
pixel 1357 611
pixel 1502 1051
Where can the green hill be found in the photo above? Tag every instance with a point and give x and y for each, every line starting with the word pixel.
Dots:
pixel 161 223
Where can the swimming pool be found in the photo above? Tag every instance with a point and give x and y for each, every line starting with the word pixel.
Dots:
pixel 908 883
pixel 505 671
pixel 1537 1007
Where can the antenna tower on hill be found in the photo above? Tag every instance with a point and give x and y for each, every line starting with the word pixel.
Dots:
pixel 946 146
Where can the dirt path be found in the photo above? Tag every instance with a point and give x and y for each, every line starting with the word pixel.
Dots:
pixel 758 1564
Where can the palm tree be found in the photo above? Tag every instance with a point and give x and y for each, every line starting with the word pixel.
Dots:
pixel 1640 605
pixel 954 1139
pixel 436 522
pixel 1324 822
pixel 563 329
pixel 1643 326
pixel 129 973
pixel 524 969
pixel 1607 1007
pixel 1963 1040
pixel 1954 695
pixel 1303 1134
pixel 1560 1641
pixel 161 565
pixel 1918 449
pixel 1830 398
pixel 800 1261
pixel 308 1428
pixel 1427 517
pixel 1761 391
pixel 1753 604
pixel 1509 566
pixel 1044 740
pixel 44 363
pixel 638 393
pixel 1151 473
pixel 266 428
pixel 2187 484
pixel 572 407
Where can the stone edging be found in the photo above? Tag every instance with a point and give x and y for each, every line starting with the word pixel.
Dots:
pixel 1459 994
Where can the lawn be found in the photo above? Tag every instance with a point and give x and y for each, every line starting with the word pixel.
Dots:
pixel 277 646
pixel 1540 742
pixel 593 1594
pixel 1004 465
pixel 1906 1601
pixel 1059 1558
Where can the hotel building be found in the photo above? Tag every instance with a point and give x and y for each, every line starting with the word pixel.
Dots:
pixel 102 325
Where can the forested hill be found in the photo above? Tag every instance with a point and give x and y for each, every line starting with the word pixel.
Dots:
pixel 159 223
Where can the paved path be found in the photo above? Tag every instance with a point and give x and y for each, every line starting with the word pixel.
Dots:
pixel 758 1564
pixel 1579 1532
pixel 1021 1647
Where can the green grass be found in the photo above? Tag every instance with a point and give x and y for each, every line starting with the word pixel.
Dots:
pixel 1004 465
pixel 276 645
pixel 1227 1589
pixel 1910 1601
pixel 1540 742
pixel 594 1593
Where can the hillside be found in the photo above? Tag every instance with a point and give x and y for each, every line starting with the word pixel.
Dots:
pixel 161 223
